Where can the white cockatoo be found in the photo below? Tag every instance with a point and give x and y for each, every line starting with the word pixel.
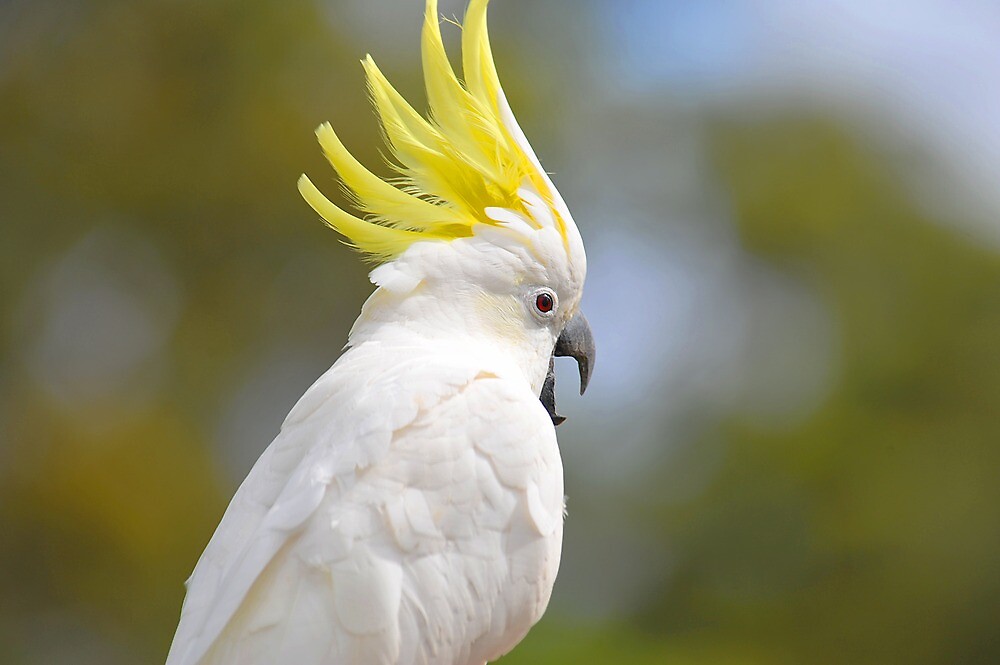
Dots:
pixel 411 508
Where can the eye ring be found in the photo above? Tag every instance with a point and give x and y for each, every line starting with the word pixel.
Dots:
pixel 545 302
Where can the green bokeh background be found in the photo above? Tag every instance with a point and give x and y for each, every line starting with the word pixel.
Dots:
pixel 156 264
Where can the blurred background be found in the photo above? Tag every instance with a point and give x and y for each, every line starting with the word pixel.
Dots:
pixel 789 452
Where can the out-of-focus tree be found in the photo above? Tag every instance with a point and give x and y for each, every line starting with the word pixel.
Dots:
pixel 868 533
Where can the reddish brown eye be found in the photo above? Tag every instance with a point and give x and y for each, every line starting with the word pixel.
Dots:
pixel 544 303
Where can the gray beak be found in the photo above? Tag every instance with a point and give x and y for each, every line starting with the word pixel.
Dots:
pixel 575 341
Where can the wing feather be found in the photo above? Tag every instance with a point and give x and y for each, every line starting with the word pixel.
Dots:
pixel 371 496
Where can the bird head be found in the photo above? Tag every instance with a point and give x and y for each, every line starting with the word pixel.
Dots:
pixel 472 241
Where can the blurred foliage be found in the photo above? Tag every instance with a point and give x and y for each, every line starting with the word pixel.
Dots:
pixel 868 532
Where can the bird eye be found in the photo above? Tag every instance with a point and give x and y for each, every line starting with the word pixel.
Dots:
pixel 544 302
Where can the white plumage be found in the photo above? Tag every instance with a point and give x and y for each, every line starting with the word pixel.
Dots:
pixel 410 510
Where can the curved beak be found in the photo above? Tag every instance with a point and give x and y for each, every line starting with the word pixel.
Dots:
pixel 575 341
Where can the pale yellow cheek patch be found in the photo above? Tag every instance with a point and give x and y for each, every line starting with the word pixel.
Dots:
pixel 503 314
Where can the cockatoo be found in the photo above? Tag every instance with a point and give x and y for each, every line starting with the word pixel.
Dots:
pixel 411 508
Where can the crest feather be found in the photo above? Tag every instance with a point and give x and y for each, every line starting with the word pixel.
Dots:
pixel 453 166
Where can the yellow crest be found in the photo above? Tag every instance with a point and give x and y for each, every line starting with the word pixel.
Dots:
pixel 453 165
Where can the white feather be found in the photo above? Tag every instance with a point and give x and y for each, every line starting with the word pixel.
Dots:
pixel 510 219
pixel 408 512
